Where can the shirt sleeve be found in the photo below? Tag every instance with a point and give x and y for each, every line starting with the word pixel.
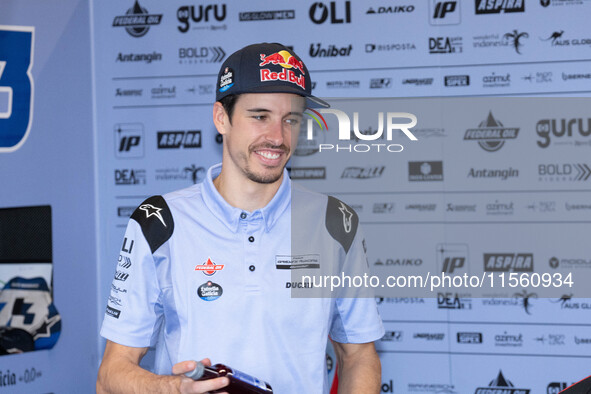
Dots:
pixel 133 310
pixel 355 317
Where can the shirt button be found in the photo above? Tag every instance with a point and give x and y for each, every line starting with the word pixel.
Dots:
pixel 251 239
pixel 251 268
pixel 243 215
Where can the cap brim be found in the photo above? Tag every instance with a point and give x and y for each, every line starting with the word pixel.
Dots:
pixel 311 101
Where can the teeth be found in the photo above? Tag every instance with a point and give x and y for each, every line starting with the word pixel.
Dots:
pixel 269 155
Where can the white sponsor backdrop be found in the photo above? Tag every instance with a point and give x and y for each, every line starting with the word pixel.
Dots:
pixel 457 65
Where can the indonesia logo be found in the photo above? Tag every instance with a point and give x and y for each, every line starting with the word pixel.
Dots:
pixel 491 134
pixel 209 267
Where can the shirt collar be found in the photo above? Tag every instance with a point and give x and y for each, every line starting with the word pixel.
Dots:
pixel 230 215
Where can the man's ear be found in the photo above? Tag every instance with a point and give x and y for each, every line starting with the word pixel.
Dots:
pixel 220 118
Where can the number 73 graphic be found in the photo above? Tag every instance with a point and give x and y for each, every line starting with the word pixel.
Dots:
pixel 16 85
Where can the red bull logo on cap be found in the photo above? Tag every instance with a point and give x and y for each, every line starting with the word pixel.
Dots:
pixel 289 64
pixel 282 58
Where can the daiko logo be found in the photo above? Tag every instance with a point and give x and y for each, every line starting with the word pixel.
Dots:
pixel 402 121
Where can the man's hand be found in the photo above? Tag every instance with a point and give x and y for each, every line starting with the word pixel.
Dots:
pixel 190 386
pixel 120 373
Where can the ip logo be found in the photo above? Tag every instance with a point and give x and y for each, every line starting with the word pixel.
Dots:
pixel 444 12
pixel 129 140
pixel 16 85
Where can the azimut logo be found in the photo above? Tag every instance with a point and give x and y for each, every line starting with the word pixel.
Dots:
pixel 137 20
pixel 491 134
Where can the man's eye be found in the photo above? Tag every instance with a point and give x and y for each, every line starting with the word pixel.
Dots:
pixel 293 121
pixel 259 117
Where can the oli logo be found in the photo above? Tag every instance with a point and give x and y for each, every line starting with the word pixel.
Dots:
pixel 319 13
pixel 209 268
pixel 344 123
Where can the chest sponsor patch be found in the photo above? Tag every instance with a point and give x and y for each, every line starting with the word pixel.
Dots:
pixel 209 267
pixel 300 261
pixel 209 291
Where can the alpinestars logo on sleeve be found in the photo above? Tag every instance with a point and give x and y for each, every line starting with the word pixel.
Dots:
pixel 347 215
pixel 152 211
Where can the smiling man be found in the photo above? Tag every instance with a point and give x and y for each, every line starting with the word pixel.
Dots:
pixel 205 272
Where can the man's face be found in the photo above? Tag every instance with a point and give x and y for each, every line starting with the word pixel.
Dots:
pixel 263 130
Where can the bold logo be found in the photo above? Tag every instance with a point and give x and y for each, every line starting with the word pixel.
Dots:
pixel 319 13
pixel 188 13
pixel 456 80
pixel 425 171
pixel 500 385
pixel 113 312
pixel 491 134
pixel 452 258
pixel 209 267
pixel 508 262
pixel 266 15
pixel 137 20
pixel 16 85
pixel 387 387
pixel 151 210
pixel 179 139
pixel 514 37
pixel 547 127
pixel 444 12
pixel 469 337
pixel 443 45
pixel 193 55
pixel 497 6
pixel 128 140
pixel 130 177
pixel 209 291
pixel 576 172
pixel 124 262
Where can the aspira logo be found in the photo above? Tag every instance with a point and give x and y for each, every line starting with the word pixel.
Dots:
pixel 395 121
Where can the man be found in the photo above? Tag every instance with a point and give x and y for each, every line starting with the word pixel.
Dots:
pixel 206 271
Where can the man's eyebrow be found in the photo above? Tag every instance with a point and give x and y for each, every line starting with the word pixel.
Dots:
pixel 258 110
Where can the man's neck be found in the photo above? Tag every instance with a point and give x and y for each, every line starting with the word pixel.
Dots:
pixel 246 194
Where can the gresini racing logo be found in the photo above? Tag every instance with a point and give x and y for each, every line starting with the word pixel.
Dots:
pixel 151 210
pixel 392 120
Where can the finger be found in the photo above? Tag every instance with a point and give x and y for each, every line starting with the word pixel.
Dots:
pixel 183 367
pixel 203 386
pixel 206 362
